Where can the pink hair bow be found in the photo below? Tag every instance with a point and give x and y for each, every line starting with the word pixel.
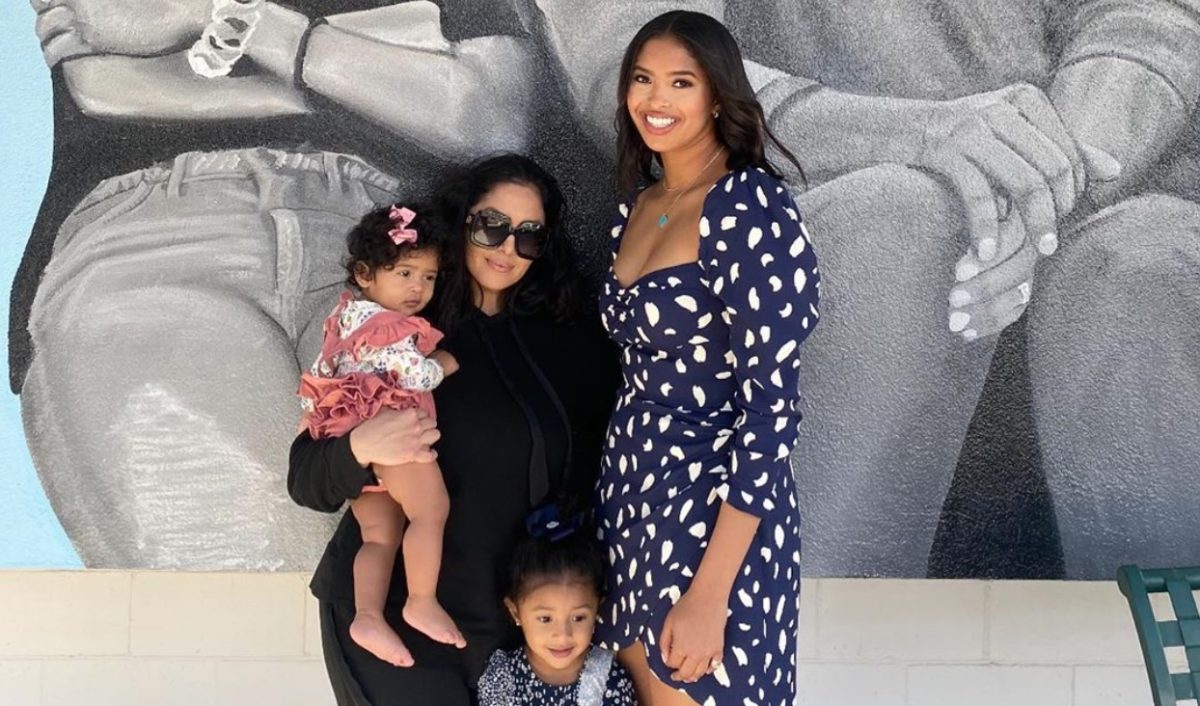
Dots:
pixel 402 233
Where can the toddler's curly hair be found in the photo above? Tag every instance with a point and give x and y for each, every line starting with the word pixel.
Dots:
pixel 370 242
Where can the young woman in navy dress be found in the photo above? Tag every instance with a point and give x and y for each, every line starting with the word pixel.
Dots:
pixel 713 287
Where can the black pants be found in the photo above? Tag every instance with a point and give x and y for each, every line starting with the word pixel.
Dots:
pixel 360 679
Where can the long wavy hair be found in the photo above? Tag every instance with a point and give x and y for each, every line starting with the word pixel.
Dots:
pixel 741 127
pixel 550 287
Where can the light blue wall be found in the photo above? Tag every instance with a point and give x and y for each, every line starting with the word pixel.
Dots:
pixel 30 536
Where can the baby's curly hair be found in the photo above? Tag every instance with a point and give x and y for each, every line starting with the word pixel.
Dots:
pixel 370 244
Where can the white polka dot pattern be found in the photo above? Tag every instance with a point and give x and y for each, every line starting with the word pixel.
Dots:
pixel 708 413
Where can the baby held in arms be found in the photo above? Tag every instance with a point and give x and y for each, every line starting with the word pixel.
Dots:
pixel 377 352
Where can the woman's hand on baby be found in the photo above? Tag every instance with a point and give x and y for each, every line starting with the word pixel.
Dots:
pixel 693 634
pixel 448 362
pixel 393 438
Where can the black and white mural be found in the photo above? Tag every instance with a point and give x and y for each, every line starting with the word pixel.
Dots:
pixel 1004 196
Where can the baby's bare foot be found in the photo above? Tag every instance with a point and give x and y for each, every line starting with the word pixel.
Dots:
pixel 374 635
pixel 427 615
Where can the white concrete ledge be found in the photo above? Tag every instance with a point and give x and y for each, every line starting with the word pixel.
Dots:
pixel 160 638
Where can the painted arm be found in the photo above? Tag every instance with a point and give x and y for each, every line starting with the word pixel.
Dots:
pixel 1128 80
pixel 127 60
pixel 393 66
pixel 164 88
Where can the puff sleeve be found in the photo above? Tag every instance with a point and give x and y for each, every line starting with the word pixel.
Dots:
pixel 757 259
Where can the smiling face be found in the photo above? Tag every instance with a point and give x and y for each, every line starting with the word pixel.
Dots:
pixel 670 99
pixel 495 270
pixel 558 619
pixel 405 286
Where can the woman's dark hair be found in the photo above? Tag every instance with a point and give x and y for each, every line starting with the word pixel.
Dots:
pixel 540 560
pixel 371 245
pixel 741 127
pixel 551 284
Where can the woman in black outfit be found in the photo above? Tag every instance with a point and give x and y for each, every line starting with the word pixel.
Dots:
pixel 522 420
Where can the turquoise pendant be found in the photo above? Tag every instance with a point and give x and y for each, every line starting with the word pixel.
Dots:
pixel 662 221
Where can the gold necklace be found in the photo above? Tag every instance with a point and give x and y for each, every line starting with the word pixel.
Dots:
pixel 662 220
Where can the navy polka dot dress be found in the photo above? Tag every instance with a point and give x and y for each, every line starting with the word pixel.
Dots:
pixel 708 413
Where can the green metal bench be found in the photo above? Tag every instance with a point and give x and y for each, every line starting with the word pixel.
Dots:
pixel 1157 635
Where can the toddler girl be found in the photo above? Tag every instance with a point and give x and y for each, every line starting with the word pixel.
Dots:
pixel 554 593
pixel 377 353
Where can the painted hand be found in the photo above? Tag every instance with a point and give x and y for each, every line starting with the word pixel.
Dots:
pixel 1006 151
pixel 1018 172
pixel 988 296
pixel 987 301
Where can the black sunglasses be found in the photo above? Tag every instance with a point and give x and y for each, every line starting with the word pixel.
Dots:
pixel 489 229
